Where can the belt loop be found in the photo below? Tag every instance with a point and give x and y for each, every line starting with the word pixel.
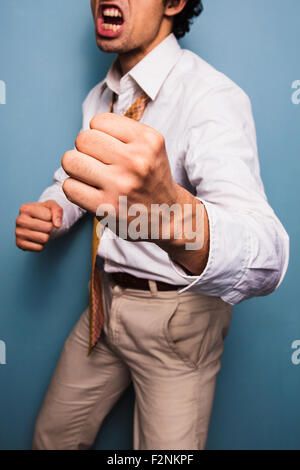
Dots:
pixel 114 288
pixel 152 287
pixel 117 290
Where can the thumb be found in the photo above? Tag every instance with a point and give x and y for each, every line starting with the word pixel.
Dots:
pixel 56 211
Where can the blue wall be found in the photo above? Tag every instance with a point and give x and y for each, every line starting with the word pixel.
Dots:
pixel 49 61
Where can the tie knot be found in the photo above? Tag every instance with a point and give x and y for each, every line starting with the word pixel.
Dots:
pixel 137 109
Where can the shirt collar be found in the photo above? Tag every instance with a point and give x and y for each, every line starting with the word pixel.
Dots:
pixel 151 72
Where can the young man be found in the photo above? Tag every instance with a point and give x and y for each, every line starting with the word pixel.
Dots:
pixel 187 140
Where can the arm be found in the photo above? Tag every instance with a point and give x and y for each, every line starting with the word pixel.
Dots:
pixel 249 248
pixel 245 247
pixel 48 218
pixel 53 214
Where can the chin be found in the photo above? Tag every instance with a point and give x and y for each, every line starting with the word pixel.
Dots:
pixel 117 46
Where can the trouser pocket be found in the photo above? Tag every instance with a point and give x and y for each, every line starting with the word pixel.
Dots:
pixel 196 329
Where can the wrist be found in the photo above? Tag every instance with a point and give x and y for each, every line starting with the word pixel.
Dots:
pixel 188 243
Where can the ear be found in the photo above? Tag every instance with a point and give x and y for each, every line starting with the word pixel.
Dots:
pixel 173 7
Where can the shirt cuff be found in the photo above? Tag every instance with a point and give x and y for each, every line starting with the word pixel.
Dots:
pixel 195 279
pixel 229 253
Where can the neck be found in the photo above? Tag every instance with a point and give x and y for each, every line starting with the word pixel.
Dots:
pixel 129 59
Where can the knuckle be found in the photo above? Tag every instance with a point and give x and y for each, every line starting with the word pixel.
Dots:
pixel 46 212
pixel 21 220
pixel 59 212
pixel 95 122
pixel 125 187
pixel 81 139
pixel 20 244
pixel 67 184
pixel 78 140
pixel 156 140
pixel 24 208
pixel 48 227
pixel 98 120
pixel 45 238
pixel 130 184
pixel 149 135
pixel 56 207
pixel 67 159
pixel 143 167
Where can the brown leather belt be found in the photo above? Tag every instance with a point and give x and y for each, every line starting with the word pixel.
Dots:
pixel 126 280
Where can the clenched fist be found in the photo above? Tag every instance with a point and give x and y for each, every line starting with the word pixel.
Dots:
pixel 34 224
pixel 121 157
pixel 117 157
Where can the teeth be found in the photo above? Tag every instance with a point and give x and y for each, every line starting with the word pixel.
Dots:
pixel 113 27
pixel 112 12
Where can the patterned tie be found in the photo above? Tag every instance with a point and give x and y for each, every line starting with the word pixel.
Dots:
pixel 135 111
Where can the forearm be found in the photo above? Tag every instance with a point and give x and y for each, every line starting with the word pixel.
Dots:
pixel 248 255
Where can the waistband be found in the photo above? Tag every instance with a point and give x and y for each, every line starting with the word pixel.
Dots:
pixel 129 281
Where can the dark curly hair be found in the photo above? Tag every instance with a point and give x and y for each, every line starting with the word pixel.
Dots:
pixel 183 20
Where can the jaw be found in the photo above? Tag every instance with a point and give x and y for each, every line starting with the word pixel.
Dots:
pixel 125 30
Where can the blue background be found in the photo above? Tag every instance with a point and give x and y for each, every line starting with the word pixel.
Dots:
pixel 49 61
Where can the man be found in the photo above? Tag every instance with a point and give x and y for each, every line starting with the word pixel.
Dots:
pixel 187 140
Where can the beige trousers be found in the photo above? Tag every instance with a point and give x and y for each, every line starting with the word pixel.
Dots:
pixel 168 344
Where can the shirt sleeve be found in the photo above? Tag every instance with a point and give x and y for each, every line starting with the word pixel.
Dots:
pixel 249 247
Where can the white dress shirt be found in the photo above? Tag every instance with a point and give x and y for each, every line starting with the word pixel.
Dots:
pixel 207 122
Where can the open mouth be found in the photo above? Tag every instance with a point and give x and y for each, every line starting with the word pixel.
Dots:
pixel 110 20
